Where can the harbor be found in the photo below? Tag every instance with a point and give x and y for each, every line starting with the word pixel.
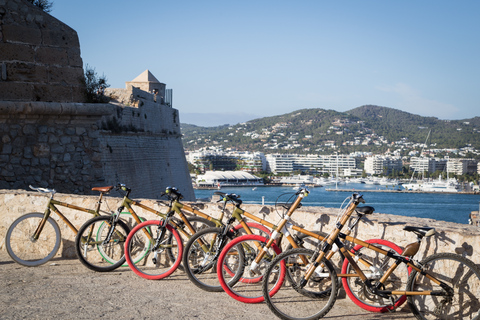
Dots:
pixel 452 207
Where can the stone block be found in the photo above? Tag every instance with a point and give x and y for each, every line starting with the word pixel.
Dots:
pixel 41 150
pixel 26 72
pixel 16 52
pixel 22 34
pixel 51 56
pixel 60 37
pixel 12 91
pixel 51 92
pixel 74 58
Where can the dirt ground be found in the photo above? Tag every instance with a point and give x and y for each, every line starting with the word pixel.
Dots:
pixel 65 289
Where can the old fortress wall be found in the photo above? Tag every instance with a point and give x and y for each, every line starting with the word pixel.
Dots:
pixel 450 237
pixel 51 138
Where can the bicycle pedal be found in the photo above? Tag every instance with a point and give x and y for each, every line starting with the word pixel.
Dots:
pixel 393 308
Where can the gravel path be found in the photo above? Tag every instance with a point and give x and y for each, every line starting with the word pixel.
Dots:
pixel 65 289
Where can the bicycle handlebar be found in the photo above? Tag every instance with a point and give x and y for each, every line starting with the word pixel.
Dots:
pixel 229 197
pixel 43 190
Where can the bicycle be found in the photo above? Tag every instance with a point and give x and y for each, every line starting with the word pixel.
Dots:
pixel 34 238
pixel 166 240
pixel 202 250
pixel 247 288
pixel 443 285
pixel 100 241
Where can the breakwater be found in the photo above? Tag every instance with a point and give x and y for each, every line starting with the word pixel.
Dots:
pixel 451 237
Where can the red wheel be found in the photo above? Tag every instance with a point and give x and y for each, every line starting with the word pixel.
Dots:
pixel 379 263
pixel 159 262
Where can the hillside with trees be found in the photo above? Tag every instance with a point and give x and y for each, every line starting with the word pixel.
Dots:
pixel 364 129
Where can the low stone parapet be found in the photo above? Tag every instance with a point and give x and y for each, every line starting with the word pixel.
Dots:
pixel 450 237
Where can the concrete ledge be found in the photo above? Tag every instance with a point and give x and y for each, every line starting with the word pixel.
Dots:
pixel 462 239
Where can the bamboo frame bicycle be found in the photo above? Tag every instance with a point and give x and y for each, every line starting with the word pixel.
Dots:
pixel 258 256
pixel 442 286
pixel 101 240
pixel 34 238
pixel 203 249
pixel 143 249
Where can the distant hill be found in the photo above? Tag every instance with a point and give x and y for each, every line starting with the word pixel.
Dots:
pixel 366 128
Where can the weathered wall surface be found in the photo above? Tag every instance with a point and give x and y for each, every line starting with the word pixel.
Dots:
pixel 451 237
pixel 39 56
pixel 74 147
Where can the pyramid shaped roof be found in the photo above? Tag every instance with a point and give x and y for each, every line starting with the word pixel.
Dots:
pixel 146 76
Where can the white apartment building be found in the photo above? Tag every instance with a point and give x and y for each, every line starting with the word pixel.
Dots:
pixel 286 163
pixel 424 164
pixel 462 166
pixel 382 164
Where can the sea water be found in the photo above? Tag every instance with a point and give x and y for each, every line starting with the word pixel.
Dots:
pixel 446 207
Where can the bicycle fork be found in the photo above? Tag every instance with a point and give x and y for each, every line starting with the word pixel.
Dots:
pixel 162 226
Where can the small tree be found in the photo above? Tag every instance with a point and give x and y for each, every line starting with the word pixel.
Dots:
pixel 45 5
pixel 95 86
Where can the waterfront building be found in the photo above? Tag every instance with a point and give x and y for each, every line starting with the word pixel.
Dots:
pixel 227 161
pixel 427 164
pixel 218 179
pixel 385 165
pixel 462 166
pixel 315 164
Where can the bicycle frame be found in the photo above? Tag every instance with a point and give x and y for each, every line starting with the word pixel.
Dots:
pixel 51 206
pixel 174 206
pixel 334 238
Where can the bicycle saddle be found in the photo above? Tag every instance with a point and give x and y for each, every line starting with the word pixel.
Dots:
pixel 421 231
pixel 102 189
pixel 364 210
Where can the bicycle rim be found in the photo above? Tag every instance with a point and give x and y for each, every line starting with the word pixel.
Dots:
pixel 26 251
pixel 379 264
pixel 457 272
pixel 248 289
pixel 159 261
pixel 103 228
pixel 95 249
pixel 289 301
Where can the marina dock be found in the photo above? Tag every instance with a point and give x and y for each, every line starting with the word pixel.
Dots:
pixel 395 191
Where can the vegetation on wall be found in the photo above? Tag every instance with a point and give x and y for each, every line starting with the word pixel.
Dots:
pixel 45 5
pixel 95 86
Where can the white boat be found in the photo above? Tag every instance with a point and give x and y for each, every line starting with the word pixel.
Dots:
pixel 439 185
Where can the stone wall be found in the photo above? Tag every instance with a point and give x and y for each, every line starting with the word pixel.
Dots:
pixel 39 56
pixel 451 237
pixel 74 147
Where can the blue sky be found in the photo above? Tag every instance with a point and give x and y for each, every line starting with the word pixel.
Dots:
pixel 232 61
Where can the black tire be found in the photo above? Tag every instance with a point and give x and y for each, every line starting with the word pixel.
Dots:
pixel 459 273
pixel 91 249
pixel 198 223
pixel 200 258
pixel 288 301
pixel 309 242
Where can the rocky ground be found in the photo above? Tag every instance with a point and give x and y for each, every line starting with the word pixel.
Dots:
pixel 65 289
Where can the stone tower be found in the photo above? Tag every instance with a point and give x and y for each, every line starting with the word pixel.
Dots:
pixel 39 56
